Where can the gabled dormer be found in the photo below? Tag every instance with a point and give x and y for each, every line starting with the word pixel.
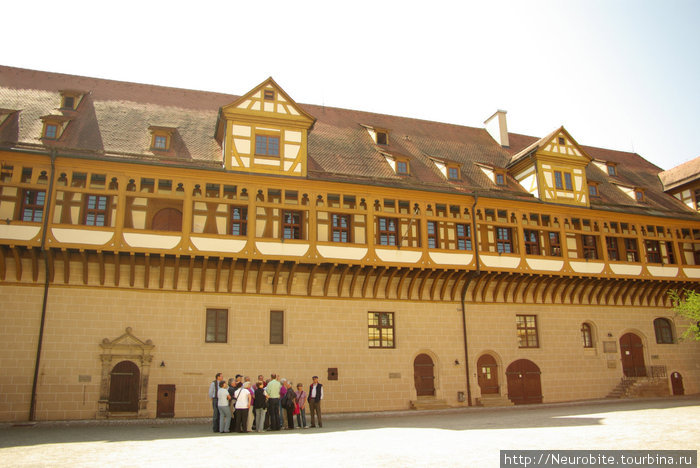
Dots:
pixel 54 126
pixel 265 131
pixel 450 170
pixel 553 169
pixel 380 136
pixel 70 99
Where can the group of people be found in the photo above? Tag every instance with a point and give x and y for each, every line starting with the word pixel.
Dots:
pixel 260 407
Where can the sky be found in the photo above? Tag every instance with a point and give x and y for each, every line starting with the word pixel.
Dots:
pixel 621 75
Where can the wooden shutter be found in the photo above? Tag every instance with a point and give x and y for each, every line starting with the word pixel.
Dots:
pixel 276 327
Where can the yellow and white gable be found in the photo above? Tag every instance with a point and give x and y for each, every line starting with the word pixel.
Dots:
pixel 265 131
pixel 555 170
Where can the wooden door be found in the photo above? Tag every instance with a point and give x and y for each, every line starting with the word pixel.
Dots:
pixel 423 375
pixel 124 388
pixel 677 383
pixel 167 219
pixel 487 374
pixel 524 385
pixel 632 352
pixel 166 401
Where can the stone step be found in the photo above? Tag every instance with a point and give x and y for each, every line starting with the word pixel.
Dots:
pixel 428 404
pixel 494 401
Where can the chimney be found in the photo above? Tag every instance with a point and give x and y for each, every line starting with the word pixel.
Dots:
pixel 497 127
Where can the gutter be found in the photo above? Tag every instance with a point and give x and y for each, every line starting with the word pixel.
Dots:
pixel 44 252
pixel 470 277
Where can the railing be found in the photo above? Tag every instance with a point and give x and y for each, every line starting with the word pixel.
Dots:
pixel 654 372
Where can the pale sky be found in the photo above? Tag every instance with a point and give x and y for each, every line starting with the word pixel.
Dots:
pixel 622 75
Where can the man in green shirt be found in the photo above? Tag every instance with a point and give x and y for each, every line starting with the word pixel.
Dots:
pixel 273 403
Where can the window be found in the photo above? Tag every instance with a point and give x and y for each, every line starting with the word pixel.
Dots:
pixel 568 184
pixel 96 213
pixel 33 205
pixel 631 251
pixel 291 225
pixel 387 231
pixel 593 190
pixel 500 179
pixel 266 145
pixel 50 131
pixel 664 333
pixel 558 182
pixel 504 240
pixel 68 102
pixel 527 331
pixel 563 181
pixel 402 167
pixel 612 170
pixel 639 195
pixel 239 221
pixel 217 326
pixel 587 335
pixel 613 252
pixel 653 251
pixel 276 327
pixel 381 329
pixel 561 140
pixel 453 173
pixel 589 247
pixel 160 142
pixel 269 94
pixel 432 234
pixel 382 138
pixel 340 228
pixel 554 244
pixel 532 244
pixel 464 236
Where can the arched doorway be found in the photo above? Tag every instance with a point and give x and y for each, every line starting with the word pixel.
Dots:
pixel 167 219
pixel 677 383
pixel 424 375
pixel 524 386
pixel 487 374
pixel 124 388
pixel 632 352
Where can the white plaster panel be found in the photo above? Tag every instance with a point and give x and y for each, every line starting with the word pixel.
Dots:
pixel 692 272
pixel 298 169
pixel 242 146
pixel 587 267
pixel 528 171
pixel 291 151
pixel 245 162
pixel 82 236
pixel 686 193
pixel 258 94
pixel 151 241
pixel 18 232
pixel 489 173
pixel 630 270
pixel 500 261
pixel 282 248
pixel 292 136
pixel 546 166
pixel 545 264
pixel 281 109
pixel 244 104
pixel 288 165
pixel 256 106
pixel 292 110
pixel 444 258
pixel 664 272
pixel 218 245
pixel 241 130
pixel 345 253
pixel 269 107
pixel 402 256
pixel 267 162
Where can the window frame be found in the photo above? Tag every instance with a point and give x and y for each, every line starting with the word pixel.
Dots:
pixel 652 249
pixel 663 333
pixel 380 337
pixel 589 247
pixel 32 205
pixel 612 246
pixel 628 250
pixel 402 167
pixel 267 138
pixel 389 233
pixel 527 331
pixel 240 222
pixel 504 244
pixel 212 317
pixel 532 247
pixel 278 332
pixel 96 211
pixel 466 238
pixel 53 135
pixel 432 231
pixel 593 190
pixel 554 248
pixel 612 169
pixel 297 228
pixel 340 230
pixel 587 335
pixel 453 173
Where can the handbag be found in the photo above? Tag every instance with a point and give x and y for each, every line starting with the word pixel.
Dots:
pixel 296 408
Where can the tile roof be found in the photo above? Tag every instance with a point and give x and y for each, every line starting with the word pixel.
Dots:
pixel 113 120
pixel 683 174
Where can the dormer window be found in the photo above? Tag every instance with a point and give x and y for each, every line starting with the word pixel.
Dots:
pixel 267 145
pixel 382 138
pixel 70 99
pixel 500 178
pixel 50 131
pixel 402 167
pixel 612 169
pixel 639 195
pixel 53 126
pixel 593 190
pixel 453 172
pixel 160 142
pixel 161 138
pixel 68 102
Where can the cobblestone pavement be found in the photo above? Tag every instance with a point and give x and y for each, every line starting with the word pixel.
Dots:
pixel 469 437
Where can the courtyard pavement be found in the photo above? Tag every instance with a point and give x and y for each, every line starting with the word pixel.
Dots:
pixel 470 437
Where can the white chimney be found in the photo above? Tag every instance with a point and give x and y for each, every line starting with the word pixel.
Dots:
pixel 497 127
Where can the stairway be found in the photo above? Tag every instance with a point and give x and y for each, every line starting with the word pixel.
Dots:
pixel 493 400
pixel 428 403
pixel 640 387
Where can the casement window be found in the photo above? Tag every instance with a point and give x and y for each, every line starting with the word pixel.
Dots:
pixel 402 167
pixel 631 250
pixel 276 327
pixel 612 170
pixel 239 221
pixel 587 335
pixel 382 138
pixel 613 249
pixel 527 331
pixel 464 236
pixel 639 195
pixel 96 210
pixel 216 326
pixel 267 145
pixel 291 225
pixel 50 131
pixel 340 228
pixel 381 329
pixel 653 251
pixel 593 190
pixel 554 244
pixel 160 142
pixel 563 181
pixel 432 234
pixel 504 240
pixel 663 330
pixel 68 102
pixel 532 242
pixel 500 178
pixel 33 205
pixel 589 247
pixel 453 172
pixel 387 231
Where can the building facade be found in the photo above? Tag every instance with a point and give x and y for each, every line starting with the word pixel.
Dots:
pixel 155 236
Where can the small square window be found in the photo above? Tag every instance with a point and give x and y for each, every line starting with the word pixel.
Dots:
pixel 612 170
pixel 453 173
pixel 50 131
pixel 401 167
pixel 593 190
pixel 639 195
pixel 269 95
pixel 160 142
pixel 382 138
pixel 500 179
pixel 562 141
pixel 68 102
pixel 266 145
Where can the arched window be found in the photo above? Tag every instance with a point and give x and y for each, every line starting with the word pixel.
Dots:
pixel 586 335
pixel 664 333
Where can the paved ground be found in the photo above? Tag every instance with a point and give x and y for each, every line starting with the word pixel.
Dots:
pixel 460 438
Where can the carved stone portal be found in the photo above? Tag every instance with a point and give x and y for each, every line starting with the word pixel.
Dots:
pixel 125 348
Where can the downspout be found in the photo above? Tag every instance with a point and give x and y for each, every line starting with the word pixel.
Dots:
pixel 470 277
pixel 44 252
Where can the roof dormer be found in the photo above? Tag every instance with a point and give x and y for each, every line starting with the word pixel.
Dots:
pixel 161 138
pixel 54 126
pixel 380 136
pixel 399 164
pixel 450 170
pixel 265 131
pixel 71 99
